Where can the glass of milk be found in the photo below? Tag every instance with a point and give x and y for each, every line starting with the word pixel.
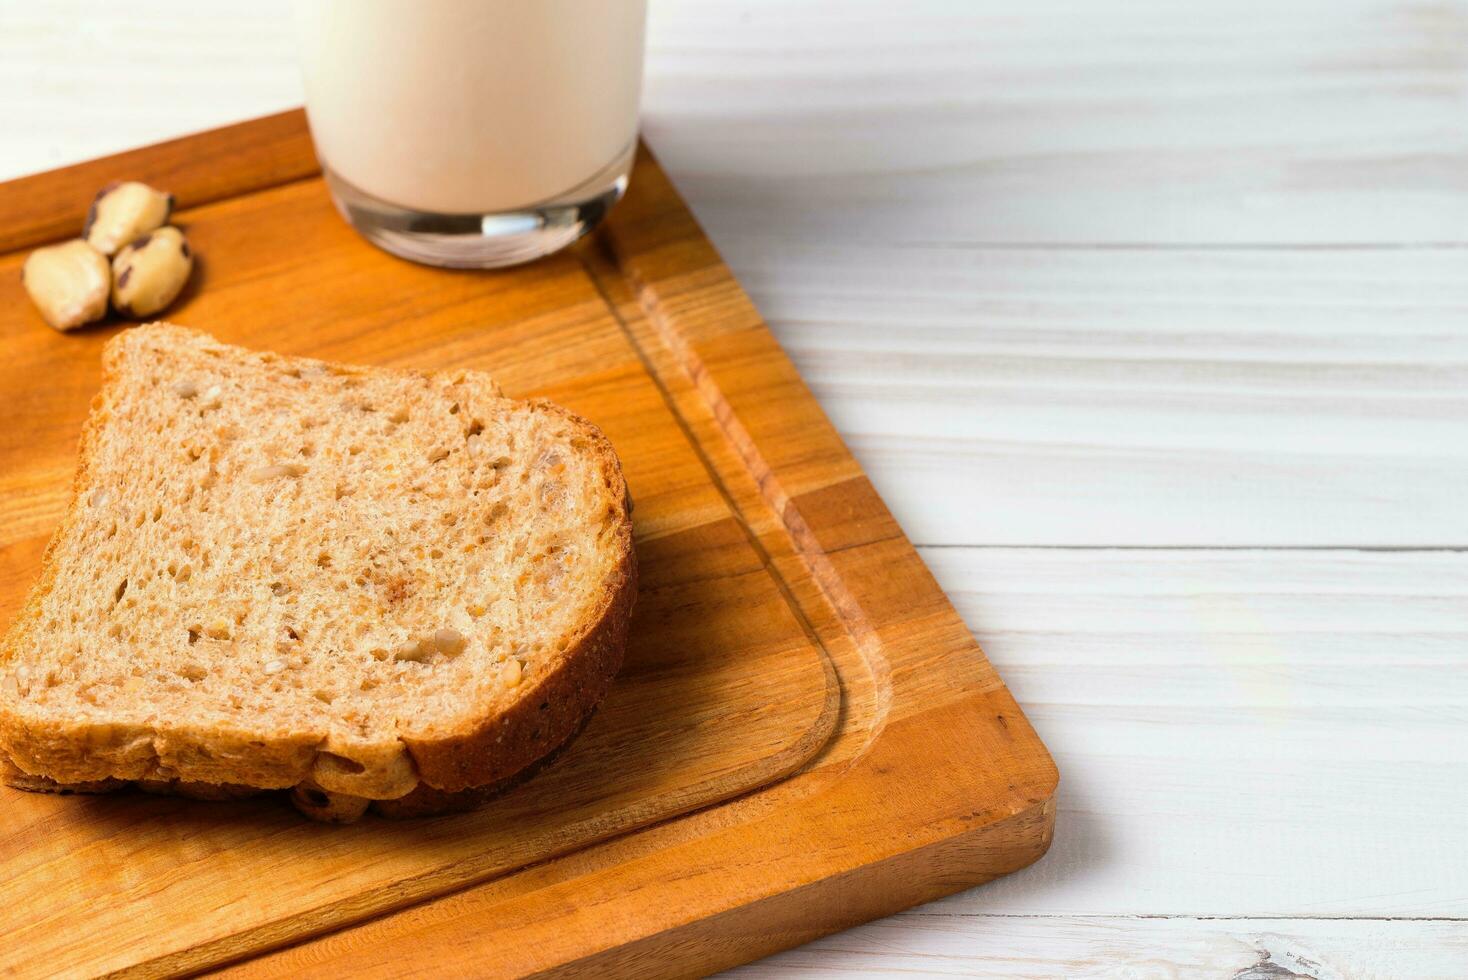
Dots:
pixel 473 133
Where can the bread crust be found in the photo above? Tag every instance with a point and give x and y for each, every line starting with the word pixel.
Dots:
pixel 309 798
pixel 471 756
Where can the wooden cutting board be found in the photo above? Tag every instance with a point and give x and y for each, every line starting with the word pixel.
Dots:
pixel 804 737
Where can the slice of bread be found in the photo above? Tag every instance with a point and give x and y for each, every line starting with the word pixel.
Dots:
pixel 279 572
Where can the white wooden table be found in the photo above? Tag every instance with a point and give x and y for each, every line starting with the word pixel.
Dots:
pixel 1149 318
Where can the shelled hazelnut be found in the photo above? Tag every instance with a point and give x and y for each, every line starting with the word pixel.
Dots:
pixel 68 283
pixel 149 272
pixel 123 211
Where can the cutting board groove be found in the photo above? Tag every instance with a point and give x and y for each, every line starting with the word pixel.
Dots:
pixel 805 735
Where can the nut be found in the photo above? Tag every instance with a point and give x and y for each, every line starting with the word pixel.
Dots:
pixel 68 283
pixel 122 212
pixel 150 271
pixel 328 807
pixel 382 770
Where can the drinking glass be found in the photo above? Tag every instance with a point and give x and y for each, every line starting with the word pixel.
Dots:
pixel 473 133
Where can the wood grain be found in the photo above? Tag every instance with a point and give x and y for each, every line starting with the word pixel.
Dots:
pixel 1107 947
pixel 87 82
pixel 785 627
pixel 1011 397
pixel 1305 695
pixel 1153 122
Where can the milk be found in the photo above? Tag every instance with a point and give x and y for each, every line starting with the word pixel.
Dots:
pixel 471 106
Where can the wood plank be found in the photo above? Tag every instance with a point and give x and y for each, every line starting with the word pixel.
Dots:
pixel 919 945
pixel 1035 397
pixel 1157 121
pixel 1244 733
pixel 88 82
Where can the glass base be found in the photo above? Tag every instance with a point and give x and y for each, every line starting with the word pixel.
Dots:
pixel 483 241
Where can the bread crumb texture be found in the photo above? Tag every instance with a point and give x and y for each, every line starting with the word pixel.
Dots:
pixel 277 569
